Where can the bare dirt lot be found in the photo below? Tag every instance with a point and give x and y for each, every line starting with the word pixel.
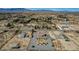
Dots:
pixel 39 31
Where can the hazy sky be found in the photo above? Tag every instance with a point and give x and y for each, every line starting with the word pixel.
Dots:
pixel 57 9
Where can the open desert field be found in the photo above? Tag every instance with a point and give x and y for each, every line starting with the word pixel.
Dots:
pixel 39 31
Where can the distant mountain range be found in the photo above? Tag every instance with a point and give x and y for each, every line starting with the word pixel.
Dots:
pixel 39 9
pixel 13 10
